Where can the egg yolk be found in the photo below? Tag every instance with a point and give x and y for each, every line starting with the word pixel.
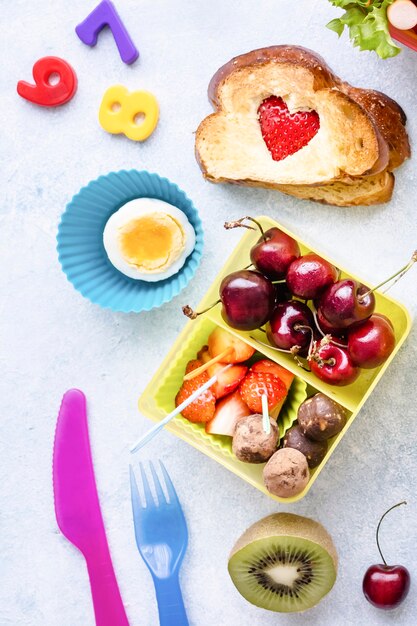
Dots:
pixel 151 242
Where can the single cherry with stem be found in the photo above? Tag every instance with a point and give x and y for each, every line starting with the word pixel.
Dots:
pixel 291 324
pixel 348 301
pixel 344 304
pixel 274 251
pixel 386 586
pixel 247 298
pixel 332 363
pixel 371 342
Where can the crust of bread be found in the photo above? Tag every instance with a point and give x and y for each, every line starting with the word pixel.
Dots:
pixel 293 55
pixel 360 191
pixel 364 191
pixel 382 114
pixel 389 117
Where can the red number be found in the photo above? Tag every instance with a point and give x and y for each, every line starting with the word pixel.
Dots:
pixel 45 93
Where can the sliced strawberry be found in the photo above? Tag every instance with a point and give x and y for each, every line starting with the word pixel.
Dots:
pixel 265 365
pixel 227 381
pixel 201 410
pixel 285 133
pixel 257 383
pixel 228 412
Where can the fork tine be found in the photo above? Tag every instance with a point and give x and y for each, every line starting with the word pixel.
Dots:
pixel 137 507
pixel 158 488
pixel 134 495
pixel 173 498
pixel 150 502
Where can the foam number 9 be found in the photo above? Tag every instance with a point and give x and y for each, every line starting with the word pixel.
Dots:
pixel 44 92
pixel 134 114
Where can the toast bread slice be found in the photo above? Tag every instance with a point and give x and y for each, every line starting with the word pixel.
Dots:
pixel 362 132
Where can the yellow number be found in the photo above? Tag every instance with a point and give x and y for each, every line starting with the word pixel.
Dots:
pixel 122 111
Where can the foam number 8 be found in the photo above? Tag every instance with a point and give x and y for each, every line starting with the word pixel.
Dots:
pixel 121 110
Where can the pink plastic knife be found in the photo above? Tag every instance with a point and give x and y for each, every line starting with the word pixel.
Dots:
pixel 77 507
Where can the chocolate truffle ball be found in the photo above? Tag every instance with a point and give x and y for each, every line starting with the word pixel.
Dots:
pixel 251 444
pixel 314 451
pixel 286 474
pixel 320 417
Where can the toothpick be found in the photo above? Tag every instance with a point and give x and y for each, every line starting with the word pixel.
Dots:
pixel 265 414
pixel 146 438
pixel 205 366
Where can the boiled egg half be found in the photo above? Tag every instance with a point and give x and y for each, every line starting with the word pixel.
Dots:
pixel 148 239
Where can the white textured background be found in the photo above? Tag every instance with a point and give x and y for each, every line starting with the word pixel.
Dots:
pixel 53 339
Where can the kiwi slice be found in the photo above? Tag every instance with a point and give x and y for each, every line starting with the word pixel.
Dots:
pixel 284 562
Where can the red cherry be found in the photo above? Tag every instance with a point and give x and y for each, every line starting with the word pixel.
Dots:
pixel 309 275
pixel 346 302
pixel 274 251
pixel 386 586
pixel 333 365
pixel 371 343
pixel 247 297
pixel 290 325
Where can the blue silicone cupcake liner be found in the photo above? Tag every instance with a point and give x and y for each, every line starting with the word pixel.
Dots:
pixel 80 242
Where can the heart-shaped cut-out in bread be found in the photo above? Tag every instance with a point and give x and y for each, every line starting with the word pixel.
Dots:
pixel 353 140
pixel 286 133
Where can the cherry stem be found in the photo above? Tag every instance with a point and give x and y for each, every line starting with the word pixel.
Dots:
pixel 377 529
pixel 397 276
pixel 278 282
pixel 331 362
pixel 293 351
pixel 239 223
pixel 331 340
pixel 268 345
pixel 297 328
pixel 189 312
pixel 313 355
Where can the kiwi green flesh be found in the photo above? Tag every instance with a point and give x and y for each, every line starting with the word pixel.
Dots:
pixel 283 573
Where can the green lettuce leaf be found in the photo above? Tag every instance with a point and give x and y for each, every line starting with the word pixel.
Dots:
pixel 367 23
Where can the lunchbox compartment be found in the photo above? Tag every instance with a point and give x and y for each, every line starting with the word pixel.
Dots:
pixel 167 381
pixel 158 398
pixel 170 382
pixel 351 396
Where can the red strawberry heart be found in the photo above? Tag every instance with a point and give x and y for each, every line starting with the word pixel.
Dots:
pixel 285 133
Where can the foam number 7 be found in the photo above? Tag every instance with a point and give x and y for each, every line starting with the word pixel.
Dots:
pixel 121 112
pixel 45 93
pixel 103 15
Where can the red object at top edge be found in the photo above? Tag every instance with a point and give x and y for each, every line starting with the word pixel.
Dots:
pixel 406 37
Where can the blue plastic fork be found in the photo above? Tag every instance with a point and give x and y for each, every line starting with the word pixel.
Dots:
pixel 162 538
